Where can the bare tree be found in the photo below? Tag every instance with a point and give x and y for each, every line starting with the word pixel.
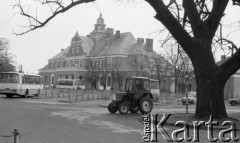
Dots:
pixel 92 76
pixel 193 24
pixel 134 64
pixel 159 68
pixel 6 59
pixel 119 73
pixel 175 58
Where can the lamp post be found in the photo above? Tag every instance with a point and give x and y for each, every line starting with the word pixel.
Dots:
pixel 141 61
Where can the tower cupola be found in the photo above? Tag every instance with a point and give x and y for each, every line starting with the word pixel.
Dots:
pixel 99 29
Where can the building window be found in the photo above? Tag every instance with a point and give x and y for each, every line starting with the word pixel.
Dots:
pixel 109 61
pixel 75 63
pixel 77 50
pixel 58 65
pixel 80 77
pixel 81 63
pixel 95 62
pixel 109 80
pixel 73 50
pixel 90 62
pixel 101 62
pixel 53 65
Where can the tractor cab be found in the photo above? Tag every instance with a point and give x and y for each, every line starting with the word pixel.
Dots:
pixel 137 96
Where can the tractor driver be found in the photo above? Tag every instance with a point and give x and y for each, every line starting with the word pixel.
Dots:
pixel 139 86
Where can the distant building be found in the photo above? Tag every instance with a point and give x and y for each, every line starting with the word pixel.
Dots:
pixel 101 52
pixel 232 86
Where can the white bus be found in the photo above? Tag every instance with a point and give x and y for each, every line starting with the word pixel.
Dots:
pixel 20 84
pixel 70 83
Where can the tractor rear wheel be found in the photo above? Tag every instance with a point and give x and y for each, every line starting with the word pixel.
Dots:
pixel 111 108
pixel 123 108
pixel 146 105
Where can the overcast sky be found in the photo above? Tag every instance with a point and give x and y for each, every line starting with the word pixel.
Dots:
pixel 33 49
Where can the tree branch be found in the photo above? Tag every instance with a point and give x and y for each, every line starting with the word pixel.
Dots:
pixel 59 9
pixel 215 17
pixel 231 66
pixel 193 15
pixel 172 24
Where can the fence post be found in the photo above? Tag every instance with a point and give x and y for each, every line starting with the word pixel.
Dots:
pixel 69 94
pixel 15 133
pixel 82 91
pixel 76 95
pixel 52 92
pixel 45 92
pixel 58 92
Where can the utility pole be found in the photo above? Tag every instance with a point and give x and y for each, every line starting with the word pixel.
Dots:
pixel 105 63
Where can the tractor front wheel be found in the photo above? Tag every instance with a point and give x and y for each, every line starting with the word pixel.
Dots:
pixel 123 108
pixel 111 108
pixel 145 105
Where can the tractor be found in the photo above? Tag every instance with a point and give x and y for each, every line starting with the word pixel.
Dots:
pixel 136 96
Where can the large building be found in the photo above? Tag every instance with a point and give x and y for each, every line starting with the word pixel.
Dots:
pixel 102 51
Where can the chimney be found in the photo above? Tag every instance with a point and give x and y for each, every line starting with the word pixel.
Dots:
pixel 140 41
pixel 223 57
pixel 110 32
pixel 62 50
pixel 117 34
pixel 149 45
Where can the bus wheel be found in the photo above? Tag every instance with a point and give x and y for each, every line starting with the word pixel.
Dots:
pixel 9 95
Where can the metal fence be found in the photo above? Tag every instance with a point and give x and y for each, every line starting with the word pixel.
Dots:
pixel 74 95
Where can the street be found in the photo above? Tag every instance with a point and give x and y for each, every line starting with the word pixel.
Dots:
pixel 40 121
pixel 64 123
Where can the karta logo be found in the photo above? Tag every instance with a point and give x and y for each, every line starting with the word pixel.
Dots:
pixel 152 126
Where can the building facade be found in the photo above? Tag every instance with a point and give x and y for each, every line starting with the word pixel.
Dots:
pixel 101 60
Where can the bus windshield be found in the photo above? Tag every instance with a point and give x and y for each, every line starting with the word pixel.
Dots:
pixel 9 78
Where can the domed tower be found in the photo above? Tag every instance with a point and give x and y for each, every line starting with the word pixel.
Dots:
pixel 100 28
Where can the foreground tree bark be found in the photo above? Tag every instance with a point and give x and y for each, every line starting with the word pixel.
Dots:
pixel 210 77
pixel 203 18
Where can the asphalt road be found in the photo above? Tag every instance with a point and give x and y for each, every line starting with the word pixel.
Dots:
pixel 63 123
pixel 84 122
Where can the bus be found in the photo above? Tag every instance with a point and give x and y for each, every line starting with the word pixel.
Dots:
pixel 20 84
pixel 70 84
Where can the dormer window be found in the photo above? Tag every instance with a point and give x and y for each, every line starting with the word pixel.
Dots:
pixel 73 50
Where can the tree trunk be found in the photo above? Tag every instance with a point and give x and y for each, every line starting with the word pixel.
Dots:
pixel 210 94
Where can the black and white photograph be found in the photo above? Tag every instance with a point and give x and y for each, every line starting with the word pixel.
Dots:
pixel 119 71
